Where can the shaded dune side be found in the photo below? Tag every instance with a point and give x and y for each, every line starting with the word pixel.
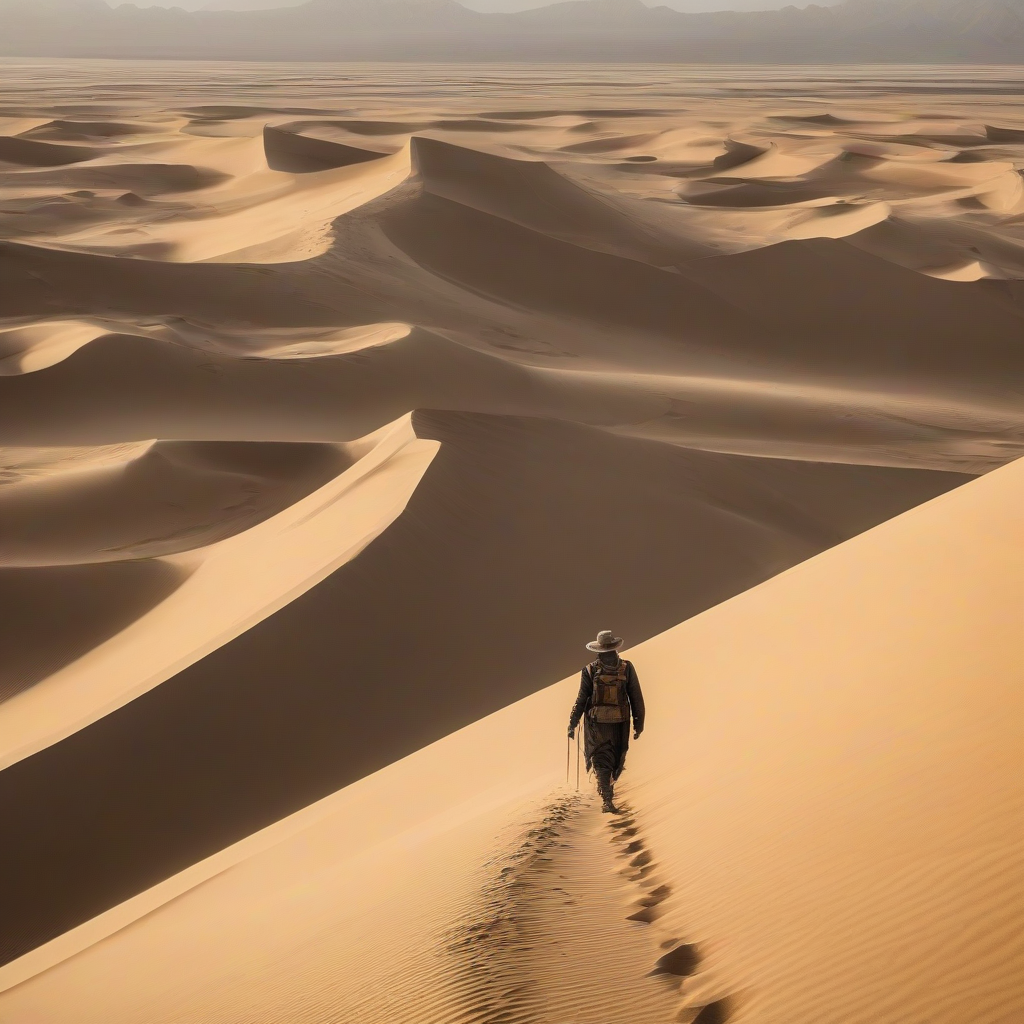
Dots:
pixel 80 543
pixel 123 386
pixel 174 497
pixel 363 127
pixel 930 250
pixel 302 154
pixel 497 540
pixel 795 308
pixel 32 153
pixel 535 196
pixel 48 282
pixel 772 308
pixel 148 180
pixel 26 349
pixel 56 613
pixel 63 130
pixel 231 584
pixel 277 206
pixel 316 384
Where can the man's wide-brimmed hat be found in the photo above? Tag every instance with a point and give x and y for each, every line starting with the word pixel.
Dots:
pixel 606 641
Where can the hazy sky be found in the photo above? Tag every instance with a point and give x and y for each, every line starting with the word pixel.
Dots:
pixel 494 5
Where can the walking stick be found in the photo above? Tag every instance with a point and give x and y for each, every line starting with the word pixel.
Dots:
pixel 567 743
pixel 578 758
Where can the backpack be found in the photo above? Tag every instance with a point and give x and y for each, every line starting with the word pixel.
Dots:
pixel 608 701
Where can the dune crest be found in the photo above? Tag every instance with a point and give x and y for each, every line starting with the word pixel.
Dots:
pixel 27 349
pixel 231 585
pixel 153 499
pixel 336 343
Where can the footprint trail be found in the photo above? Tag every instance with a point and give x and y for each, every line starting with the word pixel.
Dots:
pixel 569 931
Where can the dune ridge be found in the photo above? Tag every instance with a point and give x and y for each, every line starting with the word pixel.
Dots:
pixel 25 349
pixel 231 584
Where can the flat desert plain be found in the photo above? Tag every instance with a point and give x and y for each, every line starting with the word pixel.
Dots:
pixel 340 405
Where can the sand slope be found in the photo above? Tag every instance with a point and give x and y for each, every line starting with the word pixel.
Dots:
pixel 823 823
pixel 229 582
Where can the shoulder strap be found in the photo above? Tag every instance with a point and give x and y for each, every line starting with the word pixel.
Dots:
pixel 598 668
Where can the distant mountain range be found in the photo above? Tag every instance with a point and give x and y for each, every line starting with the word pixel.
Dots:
pixel 980 31
pixel 690 6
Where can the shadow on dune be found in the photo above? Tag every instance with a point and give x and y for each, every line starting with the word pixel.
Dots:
pixel 61 130
pixel 129 386
pixel 32 153
pixel 177 496
pixel 796 307
pixel 143 179
pixel 303 154
pixel 55 614
pixel 524 536
pixel 534 195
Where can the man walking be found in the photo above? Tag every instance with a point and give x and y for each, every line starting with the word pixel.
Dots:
pixel 609 691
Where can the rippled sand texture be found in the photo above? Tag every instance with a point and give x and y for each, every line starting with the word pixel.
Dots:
pixel 340 404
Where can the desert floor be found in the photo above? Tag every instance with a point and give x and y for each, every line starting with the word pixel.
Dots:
pixel 339 405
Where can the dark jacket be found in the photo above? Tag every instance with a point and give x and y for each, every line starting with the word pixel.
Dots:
pixel 605 744
pixel 633 692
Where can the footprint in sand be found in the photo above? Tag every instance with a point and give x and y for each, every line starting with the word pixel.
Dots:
pixel 566 931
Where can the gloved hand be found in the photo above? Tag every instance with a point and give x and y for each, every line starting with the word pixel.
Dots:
pixel 572 732
pixel 636 733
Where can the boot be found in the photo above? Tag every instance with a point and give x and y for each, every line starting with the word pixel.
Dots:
pixel 604 787
pixel 608 805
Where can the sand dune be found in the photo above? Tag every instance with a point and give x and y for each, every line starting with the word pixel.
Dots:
pixel 723 306
pixel 64 130
pixel 148 179
pixel 823 831
pixel 82 606
pixel 304 154
pixel 15 150
pixel 171 497
pixel 365 376
pixel 24 349
pixel 235 576
pixel 534 195
pixel 317 387
pixel 495 530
